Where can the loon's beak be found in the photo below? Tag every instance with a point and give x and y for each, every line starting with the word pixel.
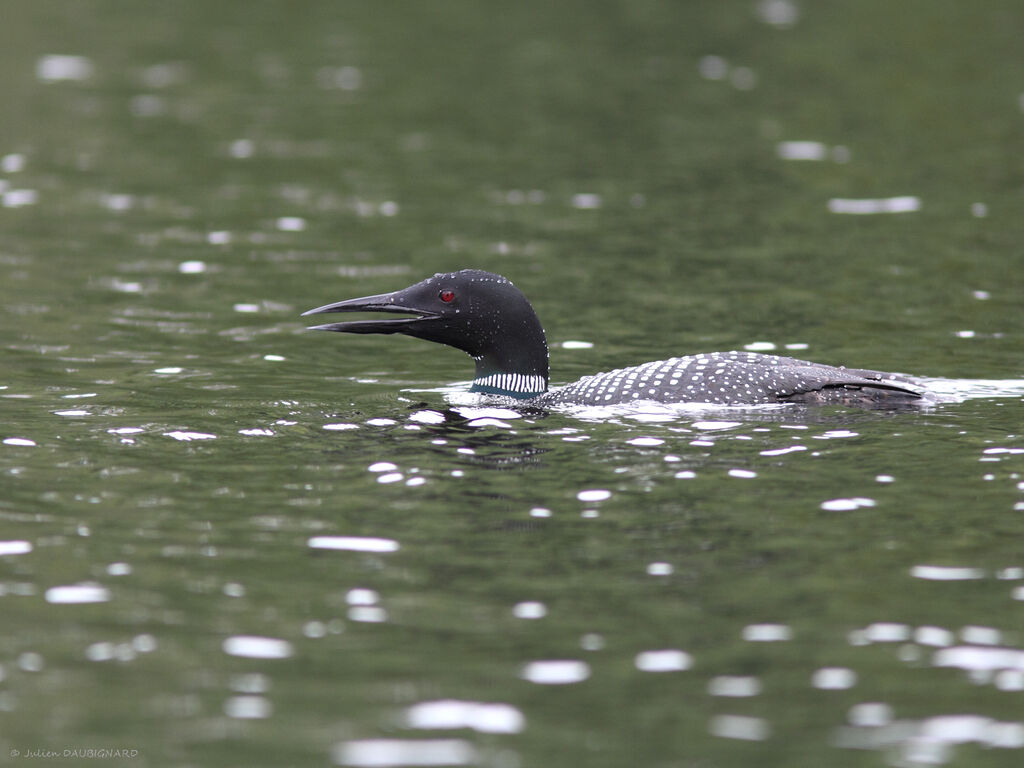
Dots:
pixel 384 302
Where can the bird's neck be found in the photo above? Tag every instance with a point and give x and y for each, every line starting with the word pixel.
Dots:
pixel 518 370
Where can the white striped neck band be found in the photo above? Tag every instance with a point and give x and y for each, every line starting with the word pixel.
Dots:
pixel 519 385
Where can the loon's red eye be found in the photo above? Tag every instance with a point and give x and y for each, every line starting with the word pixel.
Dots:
pixel 446 296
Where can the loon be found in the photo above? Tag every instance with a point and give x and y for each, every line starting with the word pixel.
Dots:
pixel 485 315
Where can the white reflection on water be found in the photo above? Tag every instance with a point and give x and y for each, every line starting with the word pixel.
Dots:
pixel 192 267
pixel 1010 680
pixel 453 714
pixel 767 633
pixel 709 426
pixel 22 441
pixel 870 714
pixel 233 589
pixel 369 614
pixel 489 423
pixel 901 204
pixel 801 150
pixel 353 543
pixel 668 660
pixel 740 727
pixel 646 442
pixel 784 451
pixel 738 687
pixel 555 672
pixel 347 78
pixel 148 105
pixel 933 636
pixel 586 201
pixel 742 473
pixel 15 547
pixel 944 573
pixel 929 741
pixel 30 661
pixel 12 163
pixel 428 417
pixel 248 707
pixel 362 596
pixel 958 390
pixel 814 151
pixel 185 436
pixel 846 505
pixel 529 610
pixel 16 198
pixel 834 678
pixel 124 652
pixel 881 632
pixel 254 647
pixel 250 682
pixel 55 67
pixel 713 67
pixel 117 201
pixel 833 434
pixel 384 753
pixel 981 635
pixel 979 658
pixel 78 593
pixel 242 148
pixel 778 13
pixel 487 413
pixel 314 629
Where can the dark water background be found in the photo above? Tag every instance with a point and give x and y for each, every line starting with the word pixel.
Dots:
pixel 199 173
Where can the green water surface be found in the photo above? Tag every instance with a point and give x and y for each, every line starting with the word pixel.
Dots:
pixel 173 440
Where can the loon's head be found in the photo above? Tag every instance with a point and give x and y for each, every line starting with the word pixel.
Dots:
pixel 479 312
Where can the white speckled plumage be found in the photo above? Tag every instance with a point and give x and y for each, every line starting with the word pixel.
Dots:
pixel 719 378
